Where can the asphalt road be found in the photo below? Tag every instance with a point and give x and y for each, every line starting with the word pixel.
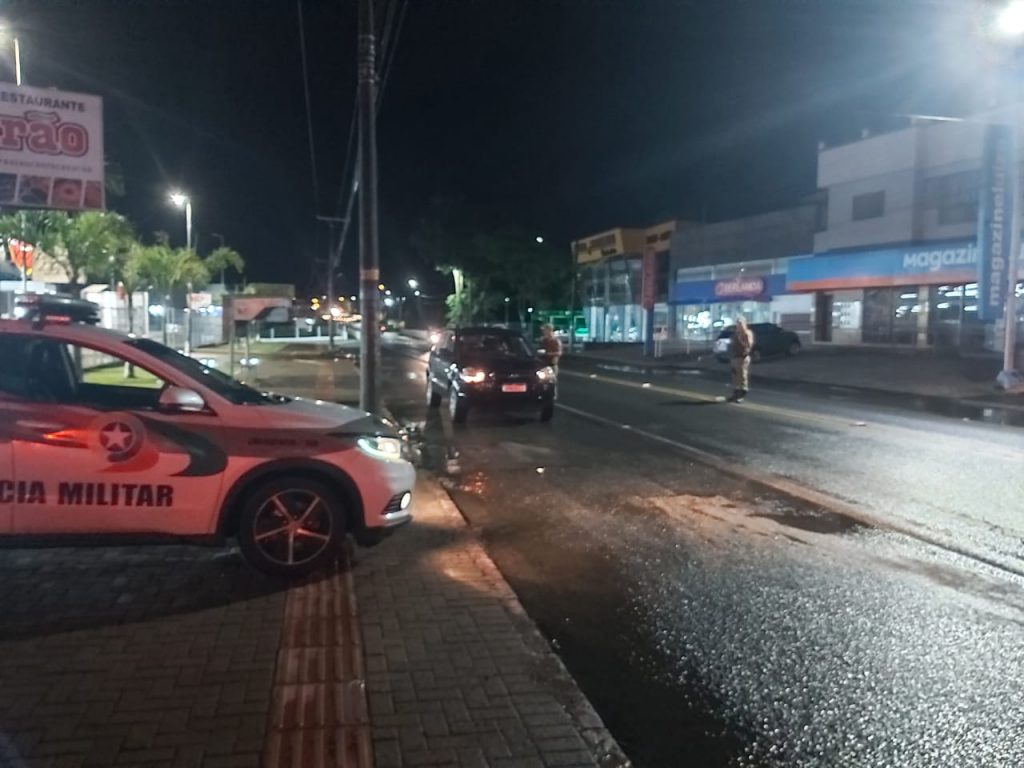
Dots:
pixel 665 544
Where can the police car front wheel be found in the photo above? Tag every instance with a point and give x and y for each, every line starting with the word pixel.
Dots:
pixel 291 526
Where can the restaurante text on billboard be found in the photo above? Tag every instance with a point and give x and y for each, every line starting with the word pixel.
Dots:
pixel 51 148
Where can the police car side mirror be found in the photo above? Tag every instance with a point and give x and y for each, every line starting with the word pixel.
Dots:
pixel 181 400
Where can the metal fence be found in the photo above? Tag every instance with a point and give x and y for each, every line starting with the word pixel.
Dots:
pixel 169 329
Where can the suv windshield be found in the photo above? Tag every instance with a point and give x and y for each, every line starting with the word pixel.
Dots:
pixel 230 389
pixel 494 345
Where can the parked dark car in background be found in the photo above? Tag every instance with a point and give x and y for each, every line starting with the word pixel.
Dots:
pixel 491 368
pixel 769 339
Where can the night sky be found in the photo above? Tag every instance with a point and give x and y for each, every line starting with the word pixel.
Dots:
pixel 563 116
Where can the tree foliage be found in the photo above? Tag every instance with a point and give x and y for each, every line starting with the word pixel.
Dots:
pixel 84 246
pixel 165 270
pixel 224 258
pixel 494 261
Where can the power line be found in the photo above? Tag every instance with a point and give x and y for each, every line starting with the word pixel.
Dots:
pixel 389 54
pixel 388 48
pixel 309 109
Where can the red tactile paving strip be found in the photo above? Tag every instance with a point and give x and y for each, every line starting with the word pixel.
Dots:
pixel 318 715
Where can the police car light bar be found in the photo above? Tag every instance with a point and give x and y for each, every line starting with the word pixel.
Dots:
pixel 57 308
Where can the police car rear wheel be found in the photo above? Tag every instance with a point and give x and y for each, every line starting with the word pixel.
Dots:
pixel 291 526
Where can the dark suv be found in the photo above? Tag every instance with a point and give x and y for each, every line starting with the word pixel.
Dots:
pixel 488 367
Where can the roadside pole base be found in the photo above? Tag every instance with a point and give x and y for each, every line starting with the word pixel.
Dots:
pixel 1011 382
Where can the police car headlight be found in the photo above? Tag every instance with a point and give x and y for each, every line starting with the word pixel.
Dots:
pixel 547 373
pixel 383 448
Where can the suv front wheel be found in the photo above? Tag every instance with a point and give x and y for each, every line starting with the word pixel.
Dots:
pixel 291 526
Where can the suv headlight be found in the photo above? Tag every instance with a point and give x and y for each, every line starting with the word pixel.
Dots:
pixel 473 375
pixel 383 448
pixel 547 373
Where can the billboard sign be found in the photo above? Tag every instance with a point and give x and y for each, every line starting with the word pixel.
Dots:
pixel 647 290
pixel 268 308
pixel 739 287
pixel 995 221
pixel 51 148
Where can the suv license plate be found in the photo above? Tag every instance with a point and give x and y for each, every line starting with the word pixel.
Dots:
pixel 513 388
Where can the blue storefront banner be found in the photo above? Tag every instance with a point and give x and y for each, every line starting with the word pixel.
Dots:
pixel 925 264
pixel 740 288
pixel 995 221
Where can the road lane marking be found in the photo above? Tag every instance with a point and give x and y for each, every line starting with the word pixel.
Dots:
pixel 999 451
pixel 700 396
pixel 804 493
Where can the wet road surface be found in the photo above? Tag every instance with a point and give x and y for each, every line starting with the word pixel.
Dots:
pixel 714 621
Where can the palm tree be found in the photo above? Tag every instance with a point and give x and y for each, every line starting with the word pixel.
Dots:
pixel 167 269
pixel 222 259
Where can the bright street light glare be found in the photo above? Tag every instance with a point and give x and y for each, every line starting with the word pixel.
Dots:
pixel 416 293
pixel 1010 21
pixel 540 239
pixel 413 283
pixel 353 298
pixel 179 198
pixel 389 302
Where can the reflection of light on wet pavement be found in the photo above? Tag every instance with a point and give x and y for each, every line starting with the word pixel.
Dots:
pixel 475 483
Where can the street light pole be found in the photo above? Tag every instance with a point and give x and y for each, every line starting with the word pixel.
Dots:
pixel 1010 334
pixel 369 263
pixel 17 62
pixel 1010 25
pixel 182 200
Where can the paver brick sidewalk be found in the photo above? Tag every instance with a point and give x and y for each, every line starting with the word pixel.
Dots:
pixel 457 674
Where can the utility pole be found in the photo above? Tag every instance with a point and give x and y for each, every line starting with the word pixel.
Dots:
pixel 369 263
pixel 332 267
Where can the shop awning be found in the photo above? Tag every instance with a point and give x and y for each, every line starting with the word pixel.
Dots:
pixel 924 264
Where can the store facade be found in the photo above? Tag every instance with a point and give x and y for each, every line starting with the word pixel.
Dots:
pixel 610 281
pixel 922 295
pixel 707 299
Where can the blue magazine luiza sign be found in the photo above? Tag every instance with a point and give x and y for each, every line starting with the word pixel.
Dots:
pixel 995 221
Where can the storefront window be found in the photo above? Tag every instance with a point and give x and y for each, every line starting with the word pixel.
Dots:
pixel 890 315
pixel 703 322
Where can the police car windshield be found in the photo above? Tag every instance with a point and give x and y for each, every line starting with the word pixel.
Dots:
pixel 225 386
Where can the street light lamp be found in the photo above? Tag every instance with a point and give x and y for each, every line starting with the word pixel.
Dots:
pixel 1010 20
pixel 181 200
pixel 17 52
pixel 413 283
pixel 539 239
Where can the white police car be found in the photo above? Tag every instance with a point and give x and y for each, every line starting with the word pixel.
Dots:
pixel 105 434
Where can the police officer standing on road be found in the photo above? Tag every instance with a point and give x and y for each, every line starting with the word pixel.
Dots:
pixel 740 349
pixel 552 349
